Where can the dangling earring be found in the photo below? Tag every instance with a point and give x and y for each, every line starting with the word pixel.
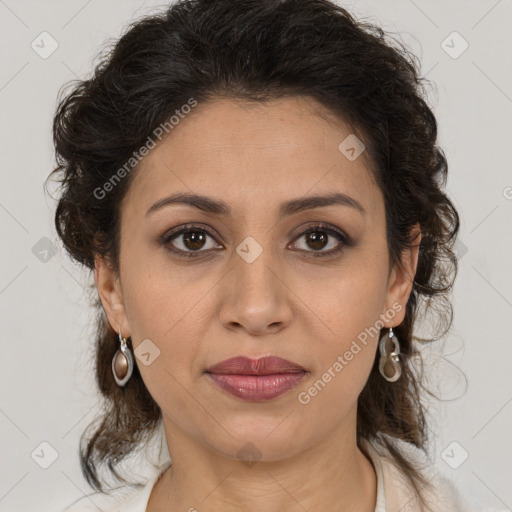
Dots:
pixel 392 360
pixel 122 363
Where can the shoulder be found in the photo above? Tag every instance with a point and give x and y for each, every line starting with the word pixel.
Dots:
pixel 99 501
pixel 127 499
pixel 93 502
pixel 441 494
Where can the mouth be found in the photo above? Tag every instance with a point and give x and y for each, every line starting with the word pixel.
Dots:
pixel 256 380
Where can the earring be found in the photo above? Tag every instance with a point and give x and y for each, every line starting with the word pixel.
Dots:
pixel 392 360
pixel 122 363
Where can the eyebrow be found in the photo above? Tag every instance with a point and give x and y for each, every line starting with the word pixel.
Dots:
pixel 217 207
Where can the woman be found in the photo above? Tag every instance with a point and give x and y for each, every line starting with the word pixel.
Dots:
pixel 258 190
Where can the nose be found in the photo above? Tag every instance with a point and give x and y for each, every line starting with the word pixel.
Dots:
pixel 257 298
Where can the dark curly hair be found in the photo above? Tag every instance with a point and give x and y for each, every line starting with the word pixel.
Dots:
pixel 256 51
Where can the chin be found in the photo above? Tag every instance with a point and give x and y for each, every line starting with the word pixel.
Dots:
pixel 262 442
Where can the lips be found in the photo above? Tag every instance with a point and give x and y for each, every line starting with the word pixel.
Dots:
pixel 256 380
pixel 264 366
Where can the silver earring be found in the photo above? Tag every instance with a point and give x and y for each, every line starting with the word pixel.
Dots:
pixel 122 363
pixel 392 360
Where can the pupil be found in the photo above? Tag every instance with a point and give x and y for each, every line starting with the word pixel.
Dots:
pixel 316 241
pixel 193 239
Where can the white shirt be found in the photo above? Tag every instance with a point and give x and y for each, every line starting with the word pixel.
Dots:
pixel 394 493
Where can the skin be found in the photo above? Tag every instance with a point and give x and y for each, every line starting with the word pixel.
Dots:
pixel 215 305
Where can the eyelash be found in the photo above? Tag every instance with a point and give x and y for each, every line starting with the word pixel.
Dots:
pixel 339 235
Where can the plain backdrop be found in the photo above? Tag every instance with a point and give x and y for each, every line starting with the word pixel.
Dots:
pixel 46 379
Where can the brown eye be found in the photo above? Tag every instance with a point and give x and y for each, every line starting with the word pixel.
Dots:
pixel 317 238
pixel 194 240
pixel 189 240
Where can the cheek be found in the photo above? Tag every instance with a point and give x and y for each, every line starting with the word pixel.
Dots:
pixel 349 306
pixel 163 324
pixel 160 298
pixel 169 307
pixel 347 300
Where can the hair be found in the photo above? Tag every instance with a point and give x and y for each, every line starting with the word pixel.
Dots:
pixel 257 51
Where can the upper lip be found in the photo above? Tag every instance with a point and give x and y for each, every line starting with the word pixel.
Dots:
pixel 242 365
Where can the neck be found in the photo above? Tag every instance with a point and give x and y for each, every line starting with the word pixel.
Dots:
pixel 331 475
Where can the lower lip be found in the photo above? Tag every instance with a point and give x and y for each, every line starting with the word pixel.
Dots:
pixel 257 388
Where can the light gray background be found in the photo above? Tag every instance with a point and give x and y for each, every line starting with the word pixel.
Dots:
pixel 46 381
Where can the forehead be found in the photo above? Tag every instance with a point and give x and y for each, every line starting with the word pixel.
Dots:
pixel 239 151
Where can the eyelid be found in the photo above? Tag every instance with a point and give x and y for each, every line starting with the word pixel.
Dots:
pixel 325 227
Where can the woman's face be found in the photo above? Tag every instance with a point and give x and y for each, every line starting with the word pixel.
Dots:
pixel 250 282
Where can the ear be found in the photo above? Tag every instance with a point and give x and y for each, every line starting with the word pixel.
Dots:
pixel 111 295
pixel 401 278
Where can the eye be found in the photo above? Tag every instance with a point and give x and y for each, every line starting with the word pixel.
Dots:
pixel 317 238
pixel 189 240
